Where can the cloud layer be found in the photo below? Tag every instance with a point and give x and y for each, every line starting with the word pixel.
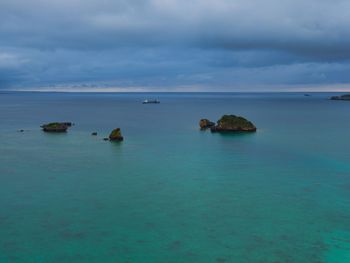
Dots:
pixel 172 45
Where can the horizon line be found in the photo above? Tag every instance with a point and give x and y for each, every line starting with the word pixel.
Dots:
pixel 133 91
pixel 282 88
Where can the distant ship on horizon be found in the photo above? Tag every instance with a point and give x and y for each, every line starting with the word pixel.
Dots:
pixel 155 101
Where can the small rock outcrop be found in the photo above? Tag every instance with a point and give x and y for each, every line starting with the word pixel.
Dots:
pixel 233 123
pixel 342 97
pixel 116 135
pixel 94 134
pixel 205 124
pixel 55 127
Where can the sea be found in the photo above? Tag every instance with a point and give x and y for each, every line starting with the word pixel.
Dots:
pixel 171 192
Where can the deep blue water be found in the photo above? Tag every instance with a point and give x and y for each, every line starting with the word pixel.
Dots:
pixel 170 192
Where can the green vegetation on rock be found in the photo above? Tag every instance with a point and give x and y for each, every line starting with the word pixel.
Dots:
pixel 233 123
pixel 55 127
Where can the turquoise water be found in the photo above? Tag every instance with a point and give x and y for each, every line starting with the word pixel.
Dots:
pixel 170 192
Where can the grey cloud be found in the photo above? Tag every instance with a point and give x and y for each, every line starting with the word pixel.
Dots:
pixel 173 43
pixel 290 25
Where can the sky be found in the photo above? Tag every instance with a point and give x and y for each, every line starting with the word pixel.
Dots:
pixel 175 45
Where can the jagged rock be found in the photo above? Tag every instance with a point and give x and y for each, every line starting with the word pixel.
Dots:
pixel 116 135
pixel 342 97
pixel 205 124
pixel 233 123
pixel 55 127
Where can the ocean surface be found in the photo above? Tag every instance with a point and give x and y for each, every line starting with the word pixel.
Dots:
pixel 170 192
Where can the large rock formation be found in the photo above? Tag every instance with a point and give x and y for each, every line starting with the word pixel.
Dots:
pixel 116 135
pixel 205 124
pixel 342 97
pixel 55 127
pixel 233 123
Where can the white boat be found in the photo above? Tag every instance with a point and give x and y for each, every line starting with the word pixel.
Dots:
pixel 150 102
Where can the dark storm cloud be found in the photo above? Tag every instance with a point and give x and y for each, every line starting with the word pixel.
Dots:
pixel 166 43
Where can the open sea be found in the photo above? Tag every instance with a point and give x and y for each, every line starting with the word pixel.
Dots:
pixel 170 192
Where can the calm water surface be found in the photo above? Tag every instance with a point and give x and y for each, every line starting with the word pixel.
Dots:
pixel 169 192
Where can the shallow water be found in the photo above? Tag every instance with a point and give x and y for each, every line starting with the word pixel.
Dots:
pixel 170 192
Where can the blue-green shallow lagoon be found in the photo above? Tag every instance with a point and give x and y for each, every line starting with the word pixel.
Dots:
pixel 170 192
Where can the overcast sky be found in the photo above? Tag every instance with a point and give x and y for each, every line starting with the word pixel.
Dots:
pixel 175 45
